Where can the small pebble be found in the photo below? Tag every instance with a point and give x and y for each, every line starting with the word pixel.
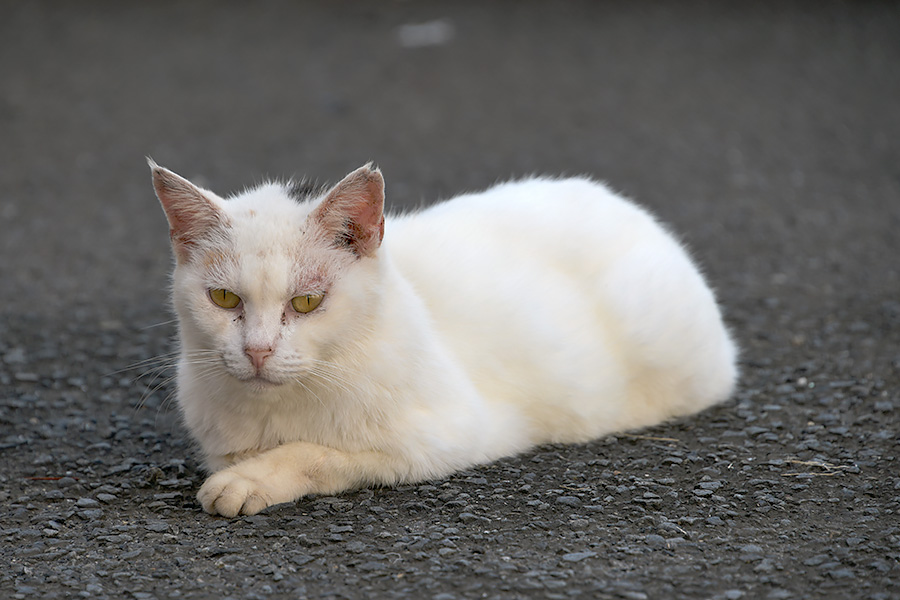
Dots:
pixel 841 574
pixel 91 513
pixel 578 556
pixel 569 501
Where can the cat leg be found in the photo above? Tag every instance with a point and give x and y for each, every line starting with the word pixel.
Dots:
pixel 218 462
pixel 289 472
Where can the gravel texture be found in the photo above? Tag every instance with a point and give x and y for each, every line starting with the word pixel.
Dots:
pixel 766 134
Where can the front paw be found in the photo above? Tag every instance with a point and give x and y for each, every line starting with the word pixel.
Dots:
pixel 229 493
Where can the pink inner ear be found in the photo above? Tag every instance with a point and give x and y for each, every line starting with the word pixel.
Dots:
pixel 368 214
pixel 191 215
pixel 353 211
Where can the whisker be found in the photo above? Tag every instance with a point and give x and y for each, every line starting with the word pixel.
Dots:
pixel 162 358
pixel 157 370
pixel 334 374
pixel 300 382
pixel 207 372
pixel 169 322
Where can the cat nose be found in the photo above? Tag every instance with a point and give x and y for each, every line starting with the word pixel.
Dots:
pixel 258 356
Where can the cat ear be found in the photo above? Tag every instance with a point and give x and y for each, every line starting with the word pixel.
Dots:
pixel 192 215
pixel 352 212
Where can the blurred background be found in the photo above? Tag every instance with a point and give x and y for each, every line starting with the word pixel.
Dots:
pixel 765 133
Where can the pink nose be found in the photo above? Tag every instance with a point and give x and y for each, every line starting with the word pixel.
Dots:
pixel 258 356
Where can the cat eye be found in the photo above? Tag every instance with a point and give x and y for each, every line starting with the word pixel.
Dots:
pixel 307 303
pixel 224 298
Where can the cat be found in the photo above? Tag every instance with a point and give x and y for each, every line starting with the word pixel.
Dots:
pixel 324 347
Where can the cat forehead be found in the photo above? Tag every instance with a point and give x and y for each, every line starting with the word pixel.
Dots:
pixel 269 204
pixel 270 243
pixel 263 273
pixel 268 220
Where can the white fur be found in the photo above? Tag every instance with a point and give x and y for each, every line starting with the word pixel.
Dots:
pixel 537 311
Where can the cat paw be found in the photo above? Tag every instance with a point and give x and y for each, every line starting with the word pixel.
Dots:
pixel 230 494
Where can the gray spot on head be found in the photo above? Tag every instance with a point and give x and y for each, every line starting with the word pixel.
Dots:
pixel 303 189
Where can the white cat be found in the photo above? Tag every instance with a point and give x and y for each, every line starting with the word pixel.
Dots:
pixel 316 357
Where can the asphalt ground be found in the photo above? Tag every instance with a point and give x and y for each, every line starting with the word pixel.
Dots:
pixel 766 134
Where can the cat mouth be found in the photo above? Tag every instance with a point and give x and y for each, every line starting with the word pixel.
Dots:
pixel 256 379
pixel 260 382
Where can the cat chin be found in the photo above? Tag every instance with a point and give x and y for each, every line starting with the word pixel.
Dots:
pixel 254 381
pixel 259 383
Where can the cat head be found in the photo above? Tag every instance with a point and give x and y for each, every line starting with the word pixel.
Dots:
pixel 271 283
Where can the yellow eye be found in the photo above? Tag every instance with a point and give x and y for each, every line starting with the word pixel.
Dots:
pixel 224 298
pixel 308 303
